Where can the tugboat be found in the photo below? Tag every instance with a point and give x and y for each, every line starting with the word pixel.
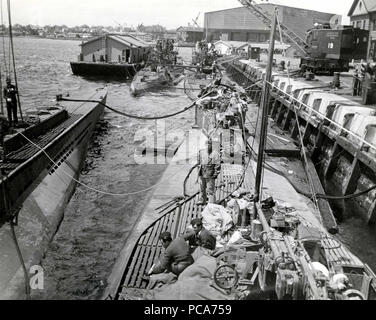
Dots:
pixel 272 241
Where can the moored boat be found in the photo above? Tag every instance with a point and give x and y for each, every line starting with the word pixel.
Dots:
pixel 39 173
pixel 147 79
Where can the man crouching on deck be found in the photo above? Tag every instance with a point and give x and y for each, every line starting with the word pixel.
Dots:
pixel 176 257
pixel 200 237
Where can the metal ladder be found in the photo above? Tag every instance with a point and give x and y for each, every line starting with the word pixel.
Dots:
pixel 264 16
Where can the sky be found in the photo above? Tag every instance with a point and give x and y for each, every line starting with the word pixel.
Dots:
pixel 169 13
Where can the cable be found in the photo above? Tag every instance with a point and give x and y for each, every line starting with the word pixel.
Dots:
pixel 2 36
pixel 127 114
pixel 60 98
pixel 13 60
pixel 88 187
pixel 19 253
pixel 349 196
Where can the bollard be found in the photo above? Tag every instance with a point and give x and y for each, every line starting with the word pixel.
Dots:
pixel 309 75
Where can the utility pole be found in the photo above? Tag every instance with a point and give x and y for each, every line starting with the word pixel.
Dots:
pixel 264 109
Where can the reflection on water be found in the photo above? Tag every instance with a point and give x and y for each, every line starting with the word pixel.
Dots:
pixel 95 226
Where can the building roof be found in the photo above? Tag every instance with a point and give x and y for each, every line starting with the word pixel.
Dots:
pixel 126 39
pixel 190 29
pixel 272 5
pixel 370 6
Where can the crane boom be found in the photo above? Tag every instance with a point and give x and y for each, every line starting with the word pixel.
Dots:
pixel 264 16
pixel 195 20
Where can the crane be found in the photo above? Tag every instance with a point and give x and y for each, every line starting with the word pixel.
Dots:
pixel 264 16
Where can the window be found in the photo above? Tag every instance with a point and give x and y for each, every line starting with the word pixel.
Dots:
pixel 317 104
pixel 252 37
pixel 314 35
pixel 282 86
pixel 305 98
pixel 359 24
pixel 374 25
pixel 288 89
pixel 304 101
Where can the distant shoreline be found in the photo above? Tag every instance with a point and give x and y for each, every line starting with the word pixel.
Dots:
pixel 37 37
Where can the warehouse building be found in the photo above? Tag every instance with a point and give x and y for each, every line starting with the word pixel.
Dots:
pixel 115 48
pixel 240 24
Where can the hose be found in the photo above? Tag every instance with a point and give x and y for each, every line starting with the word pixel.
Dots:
pixel 19 253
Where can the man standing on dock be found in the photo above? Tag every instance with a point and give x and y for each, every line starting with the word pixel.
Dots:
pixel 10 96
pixel 209 161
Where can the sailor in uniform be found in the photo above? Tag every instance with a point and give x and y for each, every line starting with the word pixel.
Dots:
pixel 10 92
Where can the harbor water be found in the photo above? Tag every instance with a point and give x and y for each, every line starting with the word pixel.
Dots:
pixel 96 226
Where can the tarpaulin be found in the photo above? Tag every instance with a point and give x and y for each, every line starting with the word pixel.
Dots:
pixel 194 283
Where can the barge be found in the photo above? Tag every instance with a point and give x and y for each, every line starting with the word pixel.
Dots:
pixel 102 69
pixel 111 55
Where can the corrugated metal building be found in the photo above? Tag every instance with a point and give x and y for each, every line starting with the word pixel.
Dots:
pixel 115 48
pixel 239 24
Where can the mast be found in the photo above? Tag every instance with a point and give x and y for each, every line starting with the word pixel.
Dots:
pixel 1 96
pixel 14 64
pixel 264 108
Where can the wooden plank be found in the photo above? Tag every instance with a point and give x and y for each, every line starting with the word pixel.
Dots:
pixel 325 210
pixel 183 214
pixel 288 153
pixel 129 270
pixel 133 264
pixel 140 258
pixel 155 232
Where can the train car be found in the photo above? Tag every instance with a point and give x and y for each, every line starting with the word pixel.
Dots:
pixel 331 50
